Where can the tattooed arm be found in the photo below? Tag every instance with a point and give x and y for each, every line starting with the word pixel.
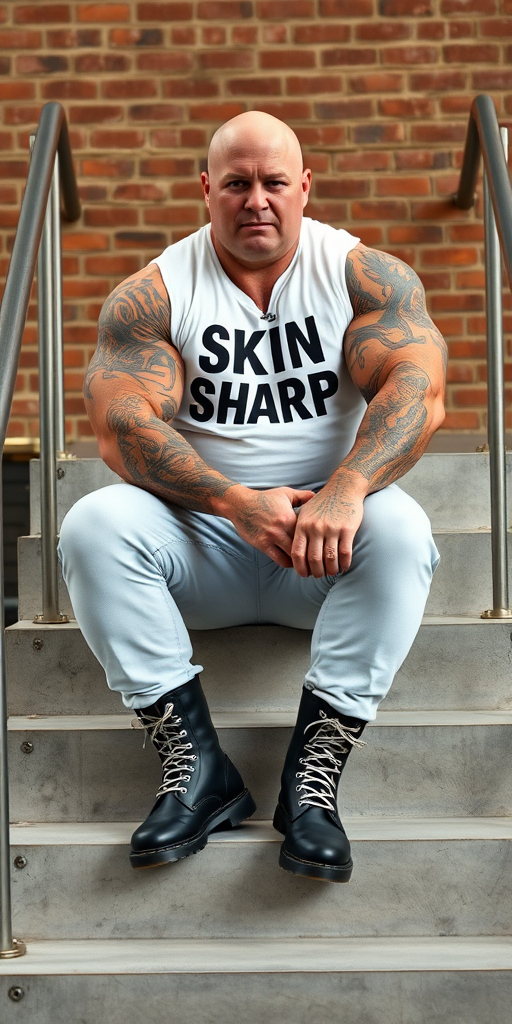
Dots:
pixel 396 357
pixel 133 389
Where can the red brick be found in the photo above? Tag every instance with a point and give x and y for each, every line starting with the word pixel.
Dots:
pixel 431 30
pixel 92 193
pixel 30 64
pixel 341 188
pixel 312 85
pixel 489 79
pixel 17 90
pixel 406 108
pixel 253 86
pixel 344 109
pixel 19 39
pixel 461 29
pixel 285 9
pixel 348 56
pixel 410 55
pixel 378 81
pixel 166 138
pixel 109 168
pixel 287 59
pixel 80 289
pixel 464 302
pixel 405 8
pixel 110 216
pixel 136 37
pixel 189 88
pixel 402 186
pixel 450 327
pixel 230 9
pixel 370 235
pixel 225 59
pixel 246 35
pixel 369 133
pixel 164 12
pixel 345 8
pixel 74 357
pixel 438 132
pixel 155 112
pixel 471 54
pixel 454 256
pixel 466 233
pixel 70 38
pixel 94 114
pixel 188 137
pixel 103 12
pixel 422 235
pixel 33 14
pixel 438 81
pixel 183 36
pixel 72 90
pixel 22 115
pixel 122 265
pixel 213 35
pixel 5 143
pixel 381 210
pixel 140 239
pixel 166 166
pixel 215 111
pixel 383 31
pixel 287 110
pixel 317 162
pixel 469 396
pixel 470 279
pixel 83 240
pixel 9 218
pixel 327 135
pixel 126 139
pixel 461 421
pixel 477 325
pixel 321 34
pixel 135 88
pixel 5 66
pixel 165 62
pixel 275 34
pixel 417 159
pixel 455 104
pixel 187 190
pixel 90 63
pixel 140 193
pixel 328 213
pixel 468 7
pixel 171 215
pixel 372 160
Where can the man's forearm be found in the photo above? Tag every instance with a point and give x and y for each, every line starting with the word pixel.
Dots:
pixel 149 453
pixel 395 429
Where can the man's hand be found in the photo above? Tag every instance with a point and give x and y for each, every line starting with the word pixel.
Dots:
pixel 267 519
pixel 325 529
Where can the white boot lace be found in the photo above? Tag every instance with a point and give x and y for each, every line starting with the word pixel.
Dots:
pixel 323 763
pixel 166 735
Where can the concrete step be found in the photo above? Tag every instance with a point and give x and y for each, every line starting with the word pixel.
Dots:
pixel 376 981
pixel 93 768
pixel 454 663
pixel 452 488
pixel 411 877
pixel 462 584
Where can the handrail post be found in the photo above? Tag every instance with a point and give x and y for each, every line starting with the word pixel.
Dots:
pixel 48 295
pixel 60 428
pixel 9 947
pixel 496 408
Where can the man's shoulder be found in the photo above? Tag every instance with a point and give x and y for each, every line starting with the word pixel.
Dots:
pixel 318 233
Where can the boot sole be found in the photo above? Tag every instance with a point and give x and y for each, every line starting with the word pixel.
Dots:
pixel 321 872
pixel 233 814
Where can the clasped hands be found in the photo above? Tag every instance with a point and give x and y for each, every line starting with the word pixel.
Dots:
pixel 313 533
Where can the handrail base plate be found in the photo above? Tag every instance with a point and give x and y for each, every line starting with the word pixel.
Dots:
pixel 497 613
pixel 19 948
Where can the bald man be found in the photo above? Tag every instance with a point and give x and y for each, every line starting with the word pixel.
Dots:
pixel 260 387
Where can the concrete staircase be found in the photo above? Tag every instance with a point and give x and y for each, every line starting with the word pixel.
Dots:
pixel 423 931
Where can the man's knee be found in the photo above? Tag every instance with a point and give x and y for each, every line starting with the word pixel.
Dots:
pixel 397 525
pixel 93 519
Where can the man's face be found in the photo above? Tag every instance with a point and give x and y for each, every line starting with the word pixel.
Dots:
pixel 256 191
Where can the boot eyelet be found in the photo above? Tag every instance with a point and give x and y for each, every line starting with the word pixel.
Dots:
pixel 186 778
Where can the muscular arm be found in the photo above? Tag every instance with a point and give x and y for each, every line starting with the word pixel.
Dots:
pixel 133 389
pixel 396 357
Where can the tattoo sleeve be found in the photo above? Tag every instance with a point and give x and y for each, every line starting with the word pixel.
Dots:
pixel 397 358
pixel 133 390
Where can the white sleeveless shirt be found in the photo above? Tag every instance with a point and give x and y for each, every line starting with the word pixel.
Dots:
pixel 268 400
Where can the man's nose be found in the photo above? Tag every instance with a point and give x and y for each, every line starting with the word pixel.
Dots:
pixel 256 197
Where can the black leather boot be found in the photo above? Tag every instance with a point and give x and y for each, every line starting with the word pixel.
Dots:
pixel 201 788
pixel 307 815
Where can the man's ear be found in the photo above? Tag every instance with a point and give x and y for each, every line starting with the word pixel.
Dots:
pixel 306 186
pixel 205 182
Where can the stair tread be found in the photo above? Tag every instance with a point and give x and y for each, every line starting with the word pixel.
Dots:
pixel 428 620
pixel 258 719
pixel 308 955
pixel 371 829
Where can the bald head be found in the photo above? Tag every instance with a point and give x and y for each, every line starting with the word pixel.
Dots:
pixel 254 132
pixel 255 189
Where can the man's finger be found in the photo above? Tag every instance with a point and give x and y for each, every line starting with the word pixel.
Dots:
pixel 331 561
pixel 298 554
pixel 344 555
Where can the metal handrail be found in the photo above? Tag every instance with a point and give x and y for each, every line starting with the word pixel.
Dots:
pixel 51 143
pixel 483 136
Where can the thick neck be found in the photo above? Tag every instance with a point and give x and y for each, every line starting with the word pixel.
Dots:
pixel 256 281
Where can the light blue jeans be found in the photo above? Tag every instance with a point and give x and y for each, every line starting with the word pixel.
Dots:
pixel 140 571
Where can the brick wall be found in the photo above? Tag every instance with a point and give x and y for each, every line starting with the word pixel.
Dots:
pixel 378 92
